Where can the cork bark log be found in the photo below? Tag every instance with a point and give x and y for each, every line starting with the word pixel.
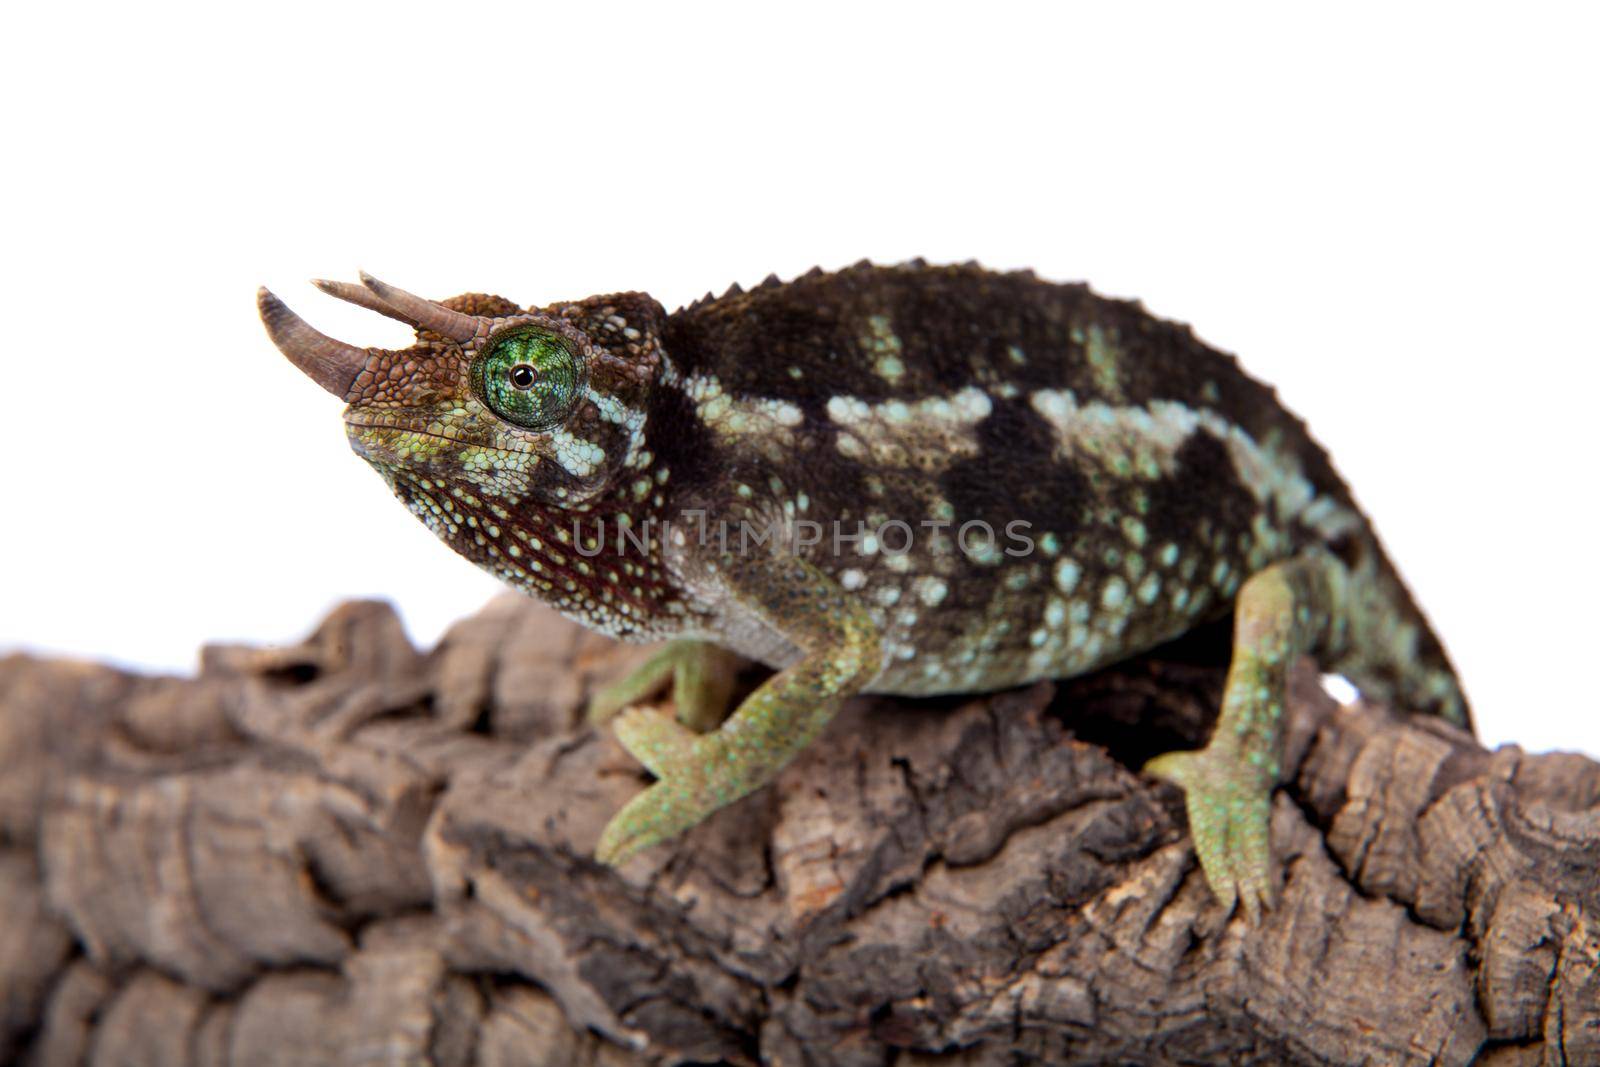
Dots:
pixel 352 851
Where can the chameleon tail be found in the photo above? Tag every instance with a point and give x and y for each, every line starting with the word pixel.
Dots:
pixel 1392 653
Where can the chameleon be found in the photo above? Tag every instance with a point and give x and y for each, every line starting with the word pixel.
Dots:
pixel 908 480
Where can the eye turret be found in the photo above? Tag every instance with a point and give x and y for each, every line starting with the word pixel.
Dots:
pixel 528 376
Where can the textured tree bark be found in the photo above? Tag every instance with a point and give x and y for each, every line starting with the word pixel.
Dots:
pixel 349 851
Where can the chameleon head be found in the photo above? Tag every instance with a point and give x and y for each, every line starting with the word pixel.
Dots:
pixel 493 413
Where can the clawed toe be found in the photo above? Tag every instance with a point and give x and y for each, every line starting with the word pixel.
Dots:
pixel 619 842
pixel 1228 812
pixel 655 739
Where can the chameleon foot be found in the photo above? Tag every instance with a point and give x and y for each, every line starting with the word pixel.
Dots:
pixel 691 769
pixel 1283 610
pixel 672 805
pixel 700 773
pixel 702 677
pixel 1228 810
pixel 656 740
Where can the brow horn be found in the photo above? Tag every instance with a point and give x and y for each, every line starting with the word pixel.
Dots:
pixel 423 313
pixel 331 364
pixel 361 296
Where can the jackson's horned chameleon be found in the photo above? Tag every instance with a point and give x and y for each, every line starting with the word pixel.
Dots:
pixel 907 479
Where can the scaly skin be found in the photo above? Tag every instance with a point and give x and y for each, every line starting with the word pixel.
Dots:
pixel 804 475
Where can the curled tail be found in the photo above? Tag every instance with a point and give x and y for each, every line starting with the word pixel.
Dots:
pixel 1392 653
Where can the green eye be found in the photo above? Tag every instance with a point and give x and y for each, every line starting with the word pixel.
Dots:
pixel 529 377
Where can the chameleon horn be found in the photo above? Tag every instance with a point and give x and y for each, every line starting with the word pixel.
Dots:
pixel 331 364
pixel 424 313
pixel 361 296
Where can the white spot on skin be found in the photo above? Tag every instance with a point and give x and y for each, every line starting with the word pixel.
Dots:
pixel 1067 574
pixel 852 579
pixel 929 434
pixel 767 422
pixel 1102 357
pixel 847 409
pixel 931 591
pixel 611 409
pixel 882 343
pixel 1145 440
pixel 577 456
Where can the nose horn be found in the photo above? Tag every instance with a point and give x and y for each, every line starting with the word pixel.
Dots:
pixel 332 364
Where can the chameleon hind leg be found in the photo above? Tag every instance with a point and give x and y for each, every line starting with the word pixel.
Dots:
pixel 702 677
pixel 699 773
pixel 1287 609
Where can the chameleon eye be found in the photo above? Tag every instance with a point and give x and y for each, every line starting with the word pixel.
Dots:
pixel 529 377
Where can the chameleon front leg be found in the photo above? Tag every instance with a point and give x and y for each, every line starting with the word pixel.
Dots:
pixel 1289 608
pixel 702 676
pixel 699 773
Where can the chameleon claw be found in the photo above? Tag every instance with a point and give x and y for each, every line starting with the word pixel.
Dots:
pixel 662 811
pixel 701 678
pixel 1228 823
pixel 641 683
pixel 618 843
pixel 656 740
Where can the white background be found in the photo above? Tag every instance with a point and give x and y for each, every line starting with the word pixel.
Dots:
pixel 1389 212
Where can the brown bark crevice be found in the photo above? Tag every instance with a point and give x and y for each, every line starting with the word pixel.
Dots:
pixel 349 849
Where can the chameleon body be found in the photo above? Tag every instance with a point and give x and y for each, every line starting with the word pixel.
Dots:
pixel 910 480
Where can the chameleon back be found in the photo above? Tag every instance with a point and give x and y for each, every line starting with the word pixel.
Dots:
pixel 1072 479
